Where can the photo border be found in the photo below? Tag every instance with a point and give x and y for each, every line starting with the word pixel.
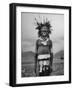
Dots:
pixel 12 64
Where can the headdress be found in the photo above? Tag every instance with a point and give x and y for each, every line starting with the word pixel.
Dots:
pixel 44 22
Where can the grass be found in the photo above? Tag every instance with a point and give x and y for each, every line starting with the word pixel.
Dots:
pixel 28 69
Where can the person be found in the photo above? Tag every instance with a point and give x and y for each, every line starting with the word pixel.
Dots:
pixel 44 54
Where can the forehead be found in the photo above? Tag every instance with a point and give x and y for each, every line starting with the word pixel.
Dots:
pixel 44 28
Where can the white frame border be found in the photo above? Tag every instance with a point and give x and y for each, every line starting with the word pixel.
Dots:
pixel 27 80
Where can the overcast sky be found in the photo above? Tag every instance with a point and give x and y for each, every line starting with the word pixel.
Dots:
pixel 29 34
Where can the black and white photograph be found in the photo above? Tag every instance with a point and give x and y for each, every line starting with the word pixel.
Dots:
pixel 40 39
pixel 42 44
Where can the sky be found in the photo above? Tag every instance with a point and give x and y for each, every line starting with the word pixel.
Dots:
pixel 29 34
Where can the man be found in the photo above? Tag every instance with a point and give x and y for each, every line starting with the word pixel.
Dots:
pixel 44 55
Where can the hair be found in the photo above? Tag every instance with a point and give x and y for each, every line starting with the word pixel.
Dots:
pixel 40 25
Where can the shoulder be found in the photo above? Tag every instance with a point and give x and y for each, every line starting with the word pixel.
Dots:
pixel 38 42
pixel 49 42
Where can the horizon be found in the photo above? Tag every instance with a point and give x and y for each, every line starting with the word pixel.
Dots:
pixel 34 52
pixel 29 34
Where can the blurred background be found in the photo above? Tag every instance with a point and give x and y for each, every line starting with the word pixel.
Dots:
pixel 29 35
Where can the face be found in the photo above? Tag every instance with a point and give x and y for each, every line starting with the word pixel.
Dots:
pixel 44 31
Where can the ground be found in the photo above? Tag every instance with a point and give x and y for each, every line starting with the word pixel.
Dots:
pixel 28 68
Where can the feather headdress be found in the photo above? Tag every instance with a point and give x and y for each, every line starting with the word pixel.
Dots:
pixel 44 22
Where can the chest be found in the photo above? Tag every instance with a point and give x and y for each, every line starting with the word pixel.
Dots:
pixel 44 47
pixel 44 44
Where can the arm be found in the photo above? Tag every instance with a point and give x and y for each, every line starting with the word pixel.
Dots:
pixel 36 55
pixel 51 58
pixel 51 46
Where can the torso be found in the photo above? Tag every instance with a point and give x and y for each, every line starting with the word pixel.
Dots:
pixel 43 53
pixel 44 47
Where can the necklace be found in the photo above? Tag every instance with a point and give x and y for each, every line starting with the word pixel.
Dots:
pixel 44 42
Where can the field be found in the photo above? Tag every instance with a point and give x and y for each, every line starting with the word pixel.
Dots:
pixel 28 65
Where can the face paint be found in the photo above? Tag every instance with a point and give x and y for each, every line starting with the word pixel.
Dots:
pixel 44 31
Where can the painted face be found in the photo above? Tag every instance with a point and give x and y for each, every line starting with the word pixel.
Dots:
pixel 44 31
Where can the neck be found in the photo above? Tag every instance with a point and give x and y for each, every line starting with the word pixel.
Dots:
pixel 44 38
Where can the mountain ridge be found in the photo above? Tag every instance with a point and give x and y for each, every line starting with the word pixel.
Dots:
pixel 29 57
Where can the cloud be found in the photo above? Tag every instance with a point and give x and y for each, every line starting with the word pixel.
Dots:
pixel 29 34
pixel 58 39
pixel 28 44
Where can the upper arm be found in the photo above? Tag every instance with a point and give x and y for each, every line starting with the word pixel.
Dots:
pixel 37 46
pixel 50 43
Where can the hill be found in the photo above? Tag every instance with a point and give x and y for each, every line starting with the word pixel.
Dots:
pixel 28 57
pixel 59 54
